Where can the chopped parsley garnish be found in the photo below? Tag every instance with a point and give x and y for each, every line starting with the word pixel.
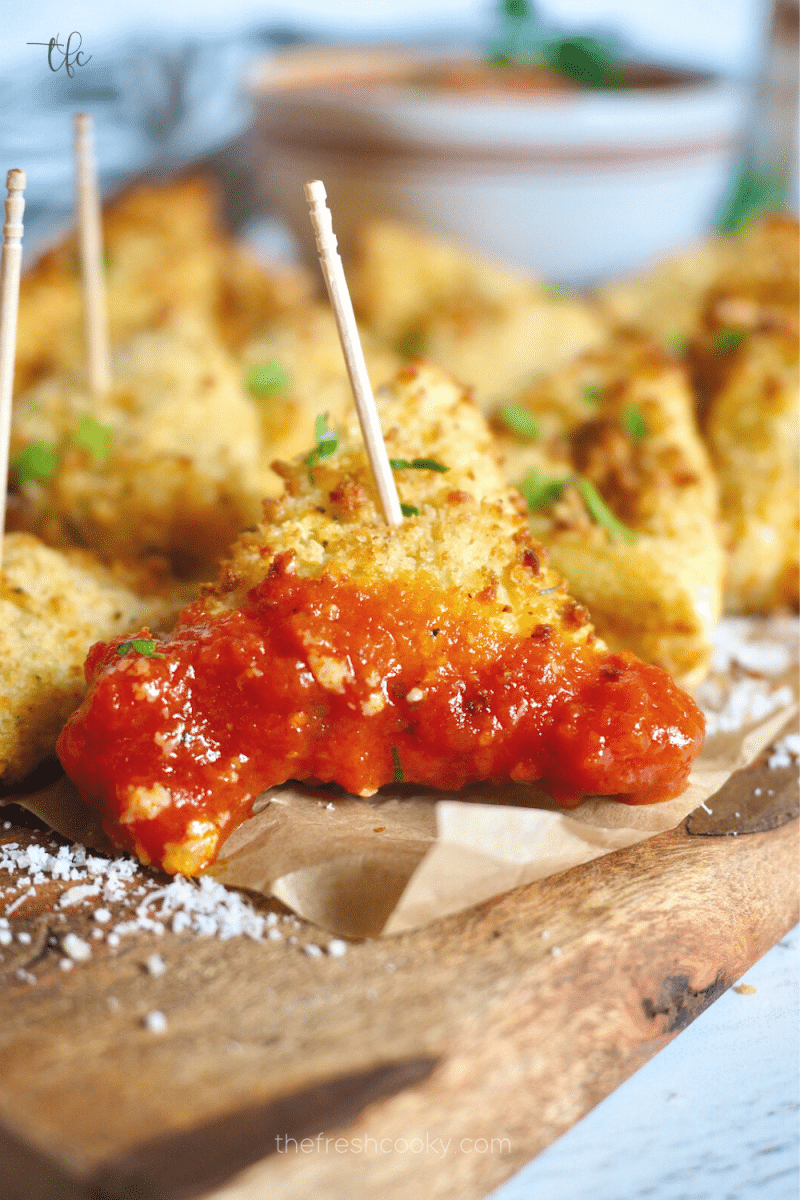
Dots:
pixel 541 493
pixel 145 646
pixel 593 393
pixel 411 344
pixel 409 510
pixel 635 424
pixel 677 345
pixel 267 379
pixel 554 291
pixel 726 340
pixel 520 420
pixel 89 434
pixel 327 443
pixel 38 462
pixel 600 512
pixel 417 464
pixel 399 777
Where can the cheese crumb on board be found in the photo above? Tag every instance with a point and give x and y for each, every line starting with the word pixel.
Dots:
pixel 155 1022
pixel 76 948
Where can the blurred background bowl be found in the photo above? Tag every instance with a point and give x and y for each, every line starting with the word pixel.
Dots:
pixel 576 185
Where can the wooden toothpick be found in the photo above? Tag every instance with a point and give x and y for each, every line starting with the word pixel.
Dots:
pixel 90 231
pixel 10 266
pixel 342 305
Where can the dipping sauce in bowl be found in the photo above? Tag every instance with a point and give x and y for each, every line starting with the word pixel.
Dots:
pixel 575 184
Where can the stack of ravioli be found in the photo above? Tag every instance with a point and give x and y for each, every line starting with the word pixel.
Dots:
pixel 650 429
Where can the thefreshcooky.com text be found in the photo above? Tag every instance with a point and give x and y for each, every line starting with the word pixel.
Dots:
pixel 437 1146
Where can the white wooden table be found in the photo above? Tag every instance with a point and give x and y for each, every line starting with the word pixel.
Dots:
pixel 714 1116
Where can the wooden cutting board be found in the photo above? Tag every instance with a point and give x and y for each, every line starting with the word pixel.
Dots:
pixel 505 1023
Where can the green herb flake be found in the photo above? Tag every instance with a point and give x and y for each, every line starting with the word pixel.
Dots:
pixel 520 420
pixel 540 492
pixel 38 462
pixel 554 291
pixel 418 464
pixel 634 423
pixel 327 443
pixel 409 510
pixel 411 344
pixel 144 646
pixel 593 393
pixel 587 61
pixel 600 512
pixel 726 340
pixel 399 777
pixel 267 379
pixel 89 434
pixel 677 345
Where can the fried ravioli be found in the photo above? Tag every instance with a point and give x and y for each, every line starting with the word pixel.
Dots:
pixel 52 608
pixel 494 328
pixel 334 648
pixel 171 462
pixel 617 426
pixel 302 371
pixel 165 255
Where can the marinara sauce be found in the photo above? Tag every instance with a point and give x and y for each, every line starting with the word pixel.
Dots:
pixel 322 679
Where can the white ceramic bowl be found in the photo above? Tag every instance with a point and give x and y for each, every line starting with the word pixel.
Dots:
pixel 576 186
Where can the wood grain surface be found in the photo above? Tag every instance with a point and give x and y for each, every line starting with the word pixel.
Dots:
pixel 503 1025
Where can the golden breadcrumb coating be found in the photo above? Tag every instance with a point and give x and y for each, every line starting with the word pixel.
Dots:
pixel 623 420
pixel 53 606
pixel 494 328
pixel 744 357
pixel 753 434
pixel 305 348
pixel 184 470
pixel 470 532
pixel 164 254
pixel 402 273
pixel 666 302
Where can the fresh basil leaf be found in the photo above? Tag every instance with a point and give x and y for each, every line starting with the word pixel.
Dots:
pixel 584 60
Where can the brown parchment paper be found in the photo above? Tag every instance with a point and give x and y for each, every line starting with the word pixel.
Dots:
pixel 362 868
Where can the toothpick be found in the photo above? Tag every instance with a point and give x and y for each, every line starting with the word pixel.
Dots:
pixel 342 305
pixel 10 266
pixel 90 232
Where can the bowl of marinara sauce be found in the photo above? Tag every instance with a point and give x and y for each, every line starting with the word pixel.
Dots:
pixel 575 184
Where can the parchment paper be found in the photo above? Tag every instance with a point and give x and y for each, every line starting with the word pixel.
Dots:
pixel 362 868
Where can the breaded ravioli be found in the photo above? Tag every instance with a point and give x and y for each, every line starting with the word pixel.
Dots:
pixel 622 493
pixel 744 356
pixel 334 648
pixel 296 371
pixel 53 606
pixel 165 254
pixel 494 328
pixel 171 462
